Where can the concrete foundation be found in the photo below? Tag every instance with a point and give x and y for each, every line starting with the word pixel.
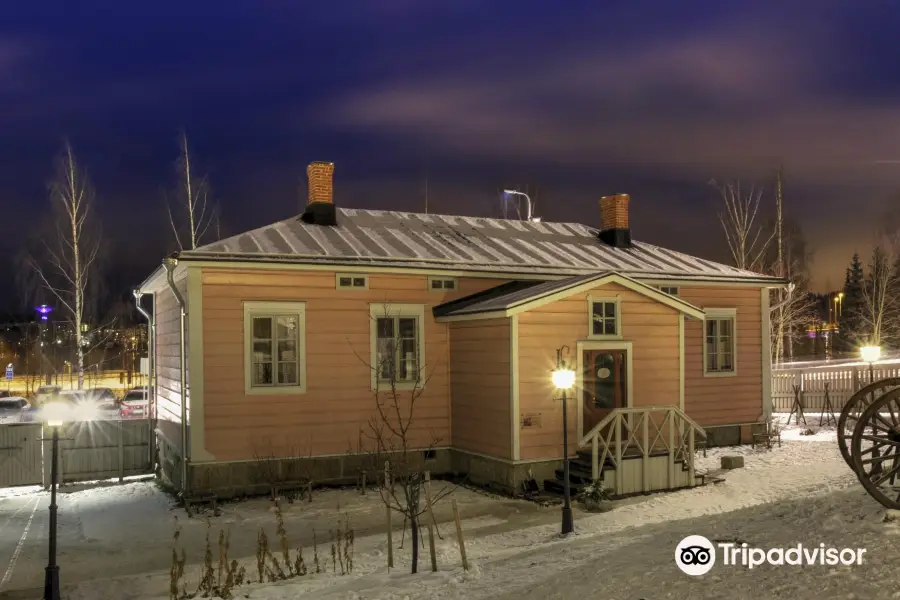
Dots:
pixel 257 477
pixel 501 475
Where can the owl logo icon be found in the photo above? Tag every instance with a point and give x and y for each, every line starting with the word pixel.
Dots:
pixel 695 555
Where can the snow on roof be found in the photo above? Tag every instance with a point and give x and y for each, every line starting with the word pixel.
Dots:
pixel 517 294
pixel 512 296
pixel 442 242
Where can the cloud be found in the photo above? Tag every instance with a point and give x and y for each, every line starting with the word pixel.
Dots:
pixel 741 96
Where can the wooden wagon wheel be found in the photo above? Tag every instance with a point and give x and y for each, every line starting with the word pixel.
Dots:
pixel 854 407
pixel 875 449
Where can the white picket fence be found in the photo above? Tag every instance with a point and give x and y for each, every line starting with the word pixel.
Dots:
pixel 843 381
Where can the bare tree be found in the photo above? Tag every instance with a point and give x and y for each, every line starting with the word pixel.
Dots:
pixel 67 267
pixel 881 308
pixel 792 307
pixel 195 213
pixel 392 436
pixel 746 238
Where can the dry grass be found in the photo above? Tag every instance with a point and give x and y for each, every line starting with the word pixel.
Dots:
pixel 219 579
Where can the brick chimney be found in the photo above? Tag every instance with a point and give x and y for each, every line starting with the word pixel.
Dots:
pixel 614 229
pixel 320 206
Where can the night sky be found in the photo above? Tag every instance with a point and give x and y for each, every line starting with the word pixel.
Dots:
pixel 653 99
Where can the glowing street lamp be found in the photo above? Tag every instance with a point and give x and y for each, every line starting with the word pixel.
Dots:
pixel 871 355
pixel 44 311
pixel 563 379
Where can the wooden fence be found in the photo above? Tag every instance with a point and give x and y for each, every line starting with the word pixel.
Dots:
pixel 94 450
pixel 843 381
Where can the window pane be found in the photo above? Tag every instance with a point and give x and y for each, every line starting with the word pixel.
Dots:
pixel 385 327
pixel 262 350
pixel 725 327
pixel 436 284
pixel 610 310
pixel 711 329
pixel 261 373
pixel 359 282
pixel 610 327
pixel 597 318
pixel 287 373
pixel 262 327
pixel 287 350
pixel 408 328
pixel 286 328
pixel 449 284
pixel 344 282
pixel 384 358
pixel 408 362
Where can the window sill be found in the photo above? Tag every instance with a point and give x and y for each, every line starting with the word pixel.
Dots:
pixel 612 338
pixel 285 390
pixel 720 374
pixel 382 387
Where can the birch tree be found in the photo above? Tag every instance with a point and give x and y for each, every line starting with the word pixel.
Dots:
pixel 194 214
pixel 880 306
pixel 67 267
pixel 792 308
pixel 747 240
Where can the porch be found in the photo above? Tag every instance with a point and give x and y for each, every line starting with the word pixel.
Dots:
pixel 636 450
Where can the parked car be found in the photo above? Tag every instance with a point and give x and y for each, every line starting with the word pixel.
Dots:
pixel 45 393
pixel 135 404
pixel 14 409
pixel 70 405
pixel 101 395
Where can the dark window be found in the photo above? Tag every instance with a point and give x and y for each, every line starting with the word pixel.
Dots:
pixel 604 319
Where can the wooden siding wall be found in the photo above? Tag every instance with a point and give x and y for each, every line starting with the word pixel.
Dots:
pixel 650 326
pixel 724 400
pixel 333 416
pixel 168 356
pixel 480 387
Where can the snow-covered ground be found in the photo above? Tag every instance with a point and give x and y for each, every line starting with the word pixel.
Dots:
pixel 802 492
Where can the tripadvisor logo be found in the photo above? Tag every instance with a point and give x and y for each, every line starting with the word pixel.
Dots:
pixel 696 555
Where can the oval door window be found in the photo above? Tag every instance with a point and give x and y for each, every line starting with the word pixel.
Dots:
pixel 603 373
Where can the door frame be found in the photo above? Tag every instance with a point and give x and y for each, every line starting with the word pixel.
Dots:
pixel 580 348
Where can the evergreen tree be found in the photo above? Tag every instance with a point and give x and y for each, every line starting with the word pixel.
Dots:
pixel 851 322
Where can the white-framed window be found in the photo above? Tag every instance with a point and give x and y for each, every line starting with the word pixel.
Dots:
pixel 604 317
pixel 442 284
pixel 398 345
pixel 669 289
pixel 274 347
pixel 351 281
pixel 720 342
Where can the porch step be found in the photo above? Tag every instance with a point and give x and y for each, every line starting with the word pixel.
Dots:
pixel 556 486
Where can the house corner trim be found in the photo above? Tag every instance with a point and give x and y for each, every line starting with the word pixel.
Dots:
pixel 196 421
pixel 681 362
pixel 766 333
pixel 514 387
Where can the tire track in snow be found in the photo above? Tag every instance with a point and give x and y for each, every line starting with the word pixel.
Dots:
pixel 15 557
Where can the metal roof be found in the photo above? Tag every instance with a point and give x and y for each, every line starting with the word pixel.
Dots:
pixel 442 242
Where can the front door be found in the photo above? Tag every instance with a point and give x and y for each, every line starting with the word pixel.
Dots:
pixel 605 384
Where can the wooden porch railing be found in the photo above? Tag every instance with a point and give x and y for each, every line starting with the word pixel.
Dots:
pixel 643 431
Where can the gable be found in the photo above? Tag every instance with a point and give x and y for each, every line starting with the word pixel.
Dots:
pixel 532 297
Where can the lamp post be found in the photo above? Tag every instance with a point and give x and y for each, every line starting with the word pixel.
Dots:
pixel 527 200
pixel 54 420
pixel 871 355
pixel 563 380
